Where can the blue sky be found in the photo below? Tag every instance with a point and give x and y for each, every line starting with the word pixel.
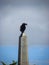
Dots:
pixel 36 54
pixel 36 14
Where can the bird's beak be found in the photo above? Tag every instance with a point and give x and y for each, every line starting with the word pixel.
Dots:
pixel 25 24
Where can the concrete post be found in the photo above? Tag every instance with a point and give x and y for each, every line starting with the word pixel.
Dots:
pixel 23 52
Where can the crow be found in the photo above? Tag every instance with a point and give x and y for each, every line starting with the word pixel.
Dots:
pixel 22 28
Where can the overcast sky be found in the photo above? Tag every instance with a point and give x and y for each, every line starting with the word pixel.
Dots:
pixel 34 12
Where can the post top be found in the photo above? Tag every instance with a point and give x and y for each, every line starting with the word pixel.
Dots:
pixel 24 34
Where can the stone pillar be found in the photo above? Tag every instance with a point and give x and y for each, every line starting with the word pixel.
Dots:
pixel 23 52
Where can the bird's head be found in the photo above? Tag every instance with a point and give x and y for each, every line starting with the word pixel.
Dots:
pixel 24 23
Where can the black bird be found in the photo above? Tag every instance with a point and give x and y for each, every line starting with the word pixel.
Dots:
pixel 22 28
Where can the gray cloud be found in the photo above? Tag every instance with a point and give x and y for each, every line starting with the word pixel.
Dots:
pixel 36 17
pixel 24 2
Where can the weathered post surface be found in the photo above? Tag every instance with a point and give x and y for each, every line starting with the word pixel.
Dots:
pixel 22 51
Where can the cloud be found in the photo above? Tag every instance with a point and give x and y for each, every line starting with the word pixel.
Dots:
pixel 24 2
pixel 12 17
